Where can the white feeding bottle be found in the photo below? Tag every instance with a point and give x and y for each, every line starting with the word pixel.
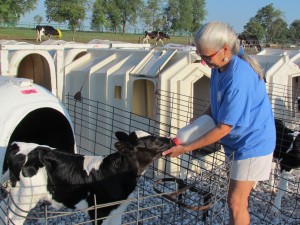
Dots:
pixel 194 130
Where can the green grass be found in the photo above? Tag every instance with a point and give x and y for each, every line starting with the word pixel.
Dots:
pixel 29 35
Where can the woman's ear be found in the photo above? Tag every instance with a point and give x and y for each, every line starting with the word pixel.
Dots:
pixel 226 49
pixel 227 54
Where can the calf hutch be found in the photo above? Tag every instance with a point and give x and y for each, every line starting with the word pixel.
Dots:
pixel 139 80
pixel 130 78
pixel 30 113
pixel 45 63
pixel 282 71
pixel 31 61
pixel 103 87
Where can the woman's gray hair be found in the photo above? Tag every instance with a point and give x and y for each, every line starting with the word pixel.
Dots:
pixel 215 35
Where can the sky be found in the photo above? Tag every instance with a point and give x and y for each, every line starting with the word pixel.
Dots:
pixel 234 12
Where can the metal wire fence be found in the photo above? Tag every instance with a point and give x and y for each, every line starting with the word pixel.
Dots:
pixel 191 189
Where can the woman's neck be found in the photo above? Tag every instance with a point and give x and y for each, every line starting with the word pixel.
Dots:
pixel 224 67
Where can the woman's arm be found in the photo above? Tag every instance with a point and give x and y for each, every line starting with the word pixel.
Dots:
pixel 210 137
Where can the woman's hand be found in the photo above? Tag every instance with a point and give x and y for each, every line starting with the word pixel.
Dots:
pixel 174 151
pixel 210 137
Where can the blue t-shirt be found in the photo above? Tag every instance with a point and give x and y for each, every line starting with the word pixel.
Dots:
pixel 239 98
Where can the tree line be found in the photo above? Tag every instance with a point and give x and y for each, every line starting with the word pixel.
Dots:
pixel 166 15
pixel 269 23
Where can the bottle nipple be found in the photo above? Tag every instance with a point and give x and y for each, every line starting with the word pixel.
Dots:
pixel 176 141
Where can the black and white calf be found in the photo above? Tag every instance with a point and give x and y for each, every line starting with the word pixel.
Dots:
pixel 287 154
pixel 158 35
pixel 46 31
pixel 75 181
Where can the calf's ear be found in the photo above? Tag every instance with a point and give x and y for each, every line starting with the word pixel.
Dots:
pixel 32 165
pixel 48 159
pixel 133 137
pixel 122 136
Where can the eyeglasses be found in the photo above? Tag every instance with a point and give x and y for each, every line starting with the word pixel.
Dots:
pixel 208 58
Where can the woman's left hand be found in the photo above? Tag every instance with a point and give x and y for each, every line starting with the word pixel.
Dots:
pixel 174 151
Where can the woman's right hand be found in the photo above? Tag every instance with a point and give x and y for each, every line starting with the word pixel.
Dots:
pixel 174 151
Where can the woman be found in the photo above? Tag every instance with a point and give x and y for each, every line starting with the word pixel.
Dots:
pixel 242 111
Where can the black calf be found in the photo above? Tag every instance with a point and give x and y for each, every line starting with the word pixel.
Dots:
pixel 287 154
pixel 75 181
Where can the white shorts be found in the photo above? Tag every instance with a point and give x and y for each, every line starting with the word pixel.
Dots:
pixel 253 169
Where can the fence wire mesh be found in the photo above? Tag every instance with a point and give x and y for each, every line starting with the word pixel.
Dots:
pixel 191 189
pixel 201 177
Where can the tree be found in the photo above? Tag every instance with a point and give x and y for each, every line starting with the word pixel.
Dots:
pixel 113 15
pixel 171 11
pixel 280 31
pixel 253 27
pixel 121 12
pixel 294 30
pixel 199 14
pixel 12 10
pixel 98 15
pixel 38 19
pixel 185 15
pixel 152 14
pixel 70 11
pixel 266 16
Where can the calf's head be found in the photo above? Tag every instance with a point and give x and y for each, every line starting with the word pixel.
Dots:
pixel 142 146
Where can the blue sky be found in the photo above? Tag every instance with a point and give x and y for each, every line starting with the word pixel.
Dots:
pixel 235 12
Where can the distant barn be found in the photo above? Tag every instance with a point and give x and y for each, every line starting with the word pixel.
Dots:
pixel 250 41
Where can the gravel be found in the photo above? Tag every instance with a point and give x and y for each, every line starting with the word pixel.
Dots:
pixel 151 208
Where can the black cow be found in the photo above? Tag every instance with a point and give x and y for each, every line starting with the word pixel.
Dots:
pixel 287 153
pixel 46 31
pixel 77 181
pixel 251 41
pixel 159 35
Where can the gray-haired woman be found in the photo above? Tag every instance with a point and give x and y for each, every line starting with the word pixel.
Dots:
pixel 242 111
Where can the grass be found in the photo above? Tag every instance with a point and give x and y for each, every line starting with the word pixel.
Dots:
pixel 29 35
